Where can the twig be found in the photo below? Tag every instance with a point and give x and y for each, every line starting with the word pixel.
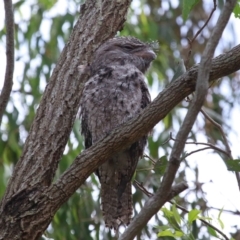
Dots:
pixel 228 211
pixel 225 142
pixel 175 190
pixel 217 125
pixel 206 144
pixel 146 192
pixel 211 146
pixel 142 188
pixel 168 139
pixel 153 204
pixel 205 24
pixel 144 169
pixel 195 151
pixel 190 41
pixel 150 158
pixel 8 81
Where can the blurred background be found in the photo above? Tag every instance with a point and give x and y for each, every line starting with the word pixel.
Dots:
pixel 42 28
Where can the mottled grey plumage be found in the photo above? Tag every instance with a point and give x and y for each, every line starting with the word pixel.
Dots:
pixel 116 92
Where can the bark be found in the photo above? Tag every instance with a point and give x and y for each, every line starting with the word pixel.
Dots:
pixel 31 200
pixel 8 80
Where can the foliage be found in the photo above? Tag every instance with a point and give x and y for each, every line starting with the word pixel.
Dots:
pixel 187 6
pixel 236 10
pixel 42 28
pixel 178 227
pixel 233 165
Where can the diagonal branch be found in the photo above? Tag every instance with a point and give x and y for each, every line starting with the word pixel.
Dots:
pixel 195 151
pixel 210 146
pixel 8 81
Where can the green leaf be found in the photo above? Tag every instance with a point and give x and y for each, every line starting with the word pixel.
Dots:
pixel 178 233
pixel 18 4
pixel 193 215
pixel 187 6
pixel 221 223
pixel 220 212
pixel 169 215
pixel 212 231
pixel 161 165
pixel 162 227
pixel 169 233
pixel 179 69
pixel 167 212
pixel 219 219
pixel 47 4
pixel 205 218
pixel 236 10
pixel 176 215
pixel 233 165
pixel 166 233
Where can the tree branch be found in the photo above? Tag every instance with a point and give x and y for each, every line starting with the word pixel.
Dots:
pixel 8 81
pixel 175 190
pixel 195 151
pixel 210 146
pixel 151 206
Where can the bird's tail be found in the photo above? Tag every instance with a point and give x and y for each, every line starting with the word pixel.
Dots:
pixel 116 204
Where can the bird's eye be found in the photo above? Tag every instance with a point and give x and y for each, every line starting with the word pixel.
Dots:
pixel 127 47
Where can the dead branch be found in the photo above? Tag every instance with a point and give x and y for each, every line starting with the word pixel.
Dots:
pixel 8 81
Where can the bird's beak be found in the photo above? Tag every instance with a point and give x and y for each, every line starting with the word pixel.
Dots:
pixel 148 54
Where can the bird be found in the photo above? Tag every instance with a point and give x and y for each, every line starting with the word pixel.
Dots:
pixel 114 93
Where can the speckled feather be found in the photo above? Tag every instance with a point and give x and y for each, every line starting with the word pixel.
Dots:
pixel 115 93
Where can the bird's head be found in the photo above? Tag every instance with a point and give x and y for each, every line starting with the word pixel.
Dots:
pixel 125 50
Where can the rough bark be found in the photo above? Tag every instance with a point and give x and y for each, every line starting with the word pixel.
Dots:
pixel 30 201
pixel 8 80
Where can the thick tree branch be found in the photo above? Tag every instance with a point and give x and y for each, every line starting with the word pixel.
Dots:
pixel 152 206
pixel 8 81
